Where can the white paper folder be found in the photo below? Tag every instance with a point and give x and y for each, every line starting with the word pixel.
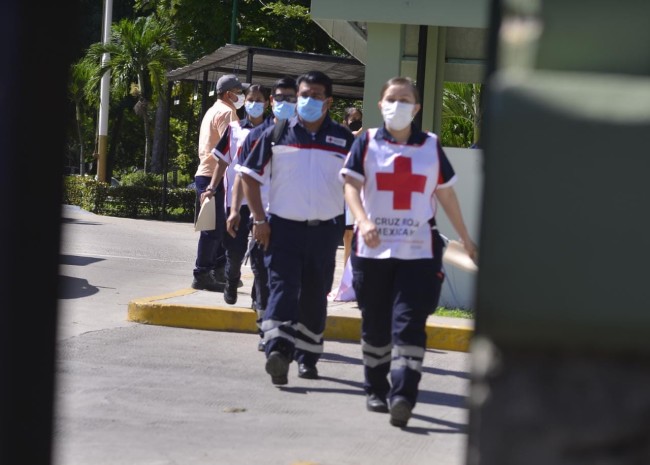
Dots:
pixel 207 217
pixel 456 255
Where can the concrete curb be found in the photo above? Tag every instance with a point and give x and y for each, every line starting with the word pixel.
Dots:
pixel 171 310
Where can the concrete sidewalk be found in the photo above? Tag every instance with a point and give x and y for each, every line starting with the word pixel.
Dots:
pixel 189 308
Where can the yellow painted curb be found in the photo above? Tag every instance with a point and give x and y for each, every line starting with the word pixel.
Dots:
pixel 154 311
pixel 445 337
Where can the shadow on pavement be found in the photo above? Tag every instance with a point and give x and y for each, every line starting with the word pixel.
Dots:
pixel 75 288
pixel 76 260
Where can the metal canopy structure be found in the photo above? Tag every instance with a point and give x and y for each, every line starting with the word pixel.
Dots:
pixel 259 65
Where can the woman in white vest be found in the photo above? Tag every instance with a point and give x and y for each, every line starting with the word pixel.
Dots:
pixel 394 177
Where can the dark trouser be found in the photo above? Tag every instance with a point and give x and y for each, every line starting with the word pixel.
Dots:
pixel 210 254
pixel 236 247
pixel 395 298
pixel 260 290
pixel 300 262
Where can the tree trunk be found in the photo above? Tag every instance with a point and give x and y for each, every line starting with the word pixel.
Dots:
pixel 159 137
pixel 142 110
pixel 115 137
pixel 82 162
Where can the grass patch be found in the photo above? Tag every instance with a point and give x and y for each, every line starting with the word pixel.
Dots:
pixel 455 312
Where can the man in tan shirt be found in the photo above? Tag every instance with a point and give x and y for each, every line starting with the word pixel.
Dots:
pixel 210 258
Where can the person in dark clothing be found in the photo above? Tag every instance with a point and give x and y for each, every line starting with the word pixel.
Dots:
pixel 302 227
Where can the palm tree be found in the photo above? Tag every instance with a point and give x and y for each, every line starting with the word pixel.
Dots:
pixel 461 114
pixel 139 56
pixel 80 73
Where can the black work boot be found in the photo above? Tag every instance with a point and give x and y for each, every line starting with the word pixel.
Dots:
pixel 207 282
pixel 230 293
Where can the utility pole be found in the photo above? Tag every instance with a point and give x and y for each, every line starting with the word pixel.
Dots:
pixel 104 98
pixel 233 22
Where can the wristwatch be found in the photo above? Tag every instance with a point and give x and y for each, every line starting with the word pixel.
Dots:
pixel 256 223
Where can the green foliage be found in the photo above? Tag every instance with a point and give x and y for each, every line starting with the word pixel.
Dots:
pixel 139 52
pixel 455 313
pixel 141 179
pixel 147 36
pixel 337 111
pixel 137 56
pixel 461 114
pixel 183 139
pixel 134 201
pixel 283 25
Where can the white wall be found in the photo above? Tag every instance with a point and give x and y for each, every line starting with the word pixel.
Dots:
pixel 459 286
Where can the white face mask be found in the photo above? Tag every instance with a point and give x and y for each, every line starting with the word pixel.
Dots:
pixel 397 115
pixel 240 101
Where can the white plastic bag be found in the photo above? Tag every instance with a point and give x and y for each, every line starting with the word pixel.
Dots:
pixel 345 292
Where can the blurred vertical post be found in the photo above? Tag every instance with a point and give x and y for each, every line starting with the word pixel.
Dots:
pixel 233 23
pixel 560 353
pixel 30 241
pixel 104 103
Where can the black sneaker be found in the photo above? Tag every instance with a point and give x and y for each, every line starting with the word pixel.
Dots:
pixel 230 293
pixel 307 371
pixel 277 365
pixel 375 403
pixel 207 282
pixel 400 411
pixel 261 345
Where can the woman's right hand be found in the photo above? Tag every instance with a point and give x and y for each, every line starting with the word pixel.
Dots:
pixel 369 233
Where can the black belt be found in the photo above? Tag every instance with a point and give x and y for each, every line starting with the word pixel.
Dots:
pixel 311 222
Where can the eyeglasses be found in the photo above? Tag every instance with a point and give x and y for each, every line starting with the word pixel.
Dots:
pixel 285 98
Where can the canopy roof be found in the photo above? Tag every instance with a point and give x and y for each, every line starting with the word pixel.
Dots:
pixel 259 65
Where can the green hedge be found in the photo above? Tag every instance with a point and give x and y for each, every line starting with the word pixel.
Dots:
pixel 129 201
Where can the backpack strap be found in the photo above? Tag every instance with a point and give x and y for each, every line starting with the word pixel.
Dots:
pixel 278 129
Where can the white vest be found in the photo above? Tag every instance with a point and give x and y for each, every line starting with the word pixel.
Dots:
pixel 398 196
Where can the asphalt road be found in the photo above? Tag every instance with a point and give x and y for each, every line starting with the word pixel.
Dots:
pixel 135 394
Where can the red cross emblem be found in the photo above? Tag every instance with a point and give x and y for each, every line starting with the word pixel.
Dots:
pixel 402 182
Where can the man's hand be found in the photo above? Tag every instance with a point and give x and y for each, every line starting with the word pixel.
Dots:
pixel 232 223
pixel 206 195
pixel 262 234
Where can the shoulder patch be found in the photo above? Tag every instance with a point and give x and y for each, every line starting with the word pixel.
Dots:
pixel 335 140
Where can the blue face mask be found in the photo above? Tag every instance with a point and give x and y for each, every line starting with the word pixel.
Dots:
pixel 310 109
pixel 284 110
pixel 254 109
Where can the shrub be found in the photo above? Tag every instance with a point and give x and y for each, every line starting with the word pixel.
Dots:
pixel 141 179
pixel 130 201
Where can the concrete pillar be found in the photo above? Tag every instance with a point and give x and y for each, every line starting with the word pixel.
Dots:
pixel 385 46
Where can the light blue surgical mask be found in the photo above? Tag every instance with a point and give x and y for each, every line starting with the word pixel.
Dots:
pixel 284 110
pixel 254 109
pixel 310 109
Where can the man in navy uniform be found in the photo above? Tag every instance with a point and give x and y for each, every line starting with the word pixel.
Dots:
pixel 304 226
pixel 283 104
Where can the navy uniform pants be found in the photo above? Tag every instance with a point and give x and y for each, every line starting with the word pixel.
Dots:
pixel 300 262
pixel 396 297
pixel 260 289
pixel 236 246
pixel 210 253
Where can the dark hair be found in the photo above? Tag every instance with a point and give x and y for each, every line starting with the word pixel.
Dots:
pixel 317 77
pixel 349 111
pixel 402 81
pixel 286 82
pixel 265 91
